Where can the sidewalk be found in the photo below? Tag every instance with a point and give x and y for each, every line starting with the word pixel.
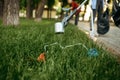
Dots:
pixel 111 40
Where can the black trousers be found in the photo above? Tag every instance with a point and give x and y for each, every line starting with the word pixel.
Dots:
pixel 76 19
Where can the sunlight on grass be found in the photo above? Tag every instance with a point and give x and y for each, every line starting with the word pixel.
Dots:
pixel 21 46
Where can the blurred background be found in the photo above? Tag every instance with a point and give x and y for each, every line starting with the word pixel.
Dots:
pixel 52 8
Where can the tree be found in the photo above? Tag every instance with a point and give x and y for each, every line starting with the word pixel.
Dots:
pixel 23 4
pixel 1 8
pixel 39 10
pixel 29 9
pixel 50 4
pixel 11 12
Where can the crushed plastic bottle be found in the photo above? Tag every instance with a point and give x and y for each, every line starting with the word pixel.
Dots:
pixel 93 52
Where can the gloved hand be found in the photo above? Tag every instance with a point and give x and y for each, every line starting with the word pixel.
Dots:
pixel 66 9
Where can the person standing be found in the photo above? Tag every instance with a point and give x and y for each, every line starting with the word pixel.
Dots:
pixel 97 8
pixel 93 6
pixel 74 5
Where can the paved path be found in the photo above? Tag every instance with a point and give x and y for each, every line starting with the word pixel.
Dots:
pixel 111 40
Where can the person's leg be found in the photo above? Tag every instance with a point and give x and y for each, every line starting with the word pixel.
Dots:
pixel 76 19
pixel 94 14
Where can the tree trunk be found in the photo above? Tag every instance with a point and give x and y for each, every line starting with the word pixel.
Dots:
pixel 11 12
pixel 39 11
pixel 48 12
pixel 29 10
pixel 1 8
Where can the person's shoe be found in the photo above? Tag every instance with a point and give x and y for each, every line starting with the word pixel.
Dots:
pixel 97 35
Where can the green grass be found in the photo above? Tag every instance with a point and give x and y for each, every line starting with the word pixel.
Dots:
pixel 0 21
pixel 20 46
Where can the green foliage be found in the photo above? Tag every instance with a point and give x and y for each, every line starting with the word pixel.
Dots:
pixel 64 2
pixel 0 21
pixel 23 3
pixel 50 3
pixel 20 46
pixel 35 3
pixel 79 1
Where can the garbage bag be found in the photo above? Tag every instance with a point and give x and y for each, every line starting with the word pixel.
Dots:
pixel 103 24
pixel 116 18
pixel 116 12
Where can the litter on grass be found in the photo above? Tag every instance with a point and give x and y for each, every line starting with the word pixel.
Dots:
pixel 91 52
pixel 64 47
pixel 41 57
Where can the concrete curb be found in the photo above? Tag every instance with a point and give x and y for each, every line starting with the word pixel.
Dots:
pixel 109 42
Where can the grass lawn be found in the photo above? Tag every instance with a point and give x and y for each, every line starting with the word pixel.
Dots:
pixel 20 47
